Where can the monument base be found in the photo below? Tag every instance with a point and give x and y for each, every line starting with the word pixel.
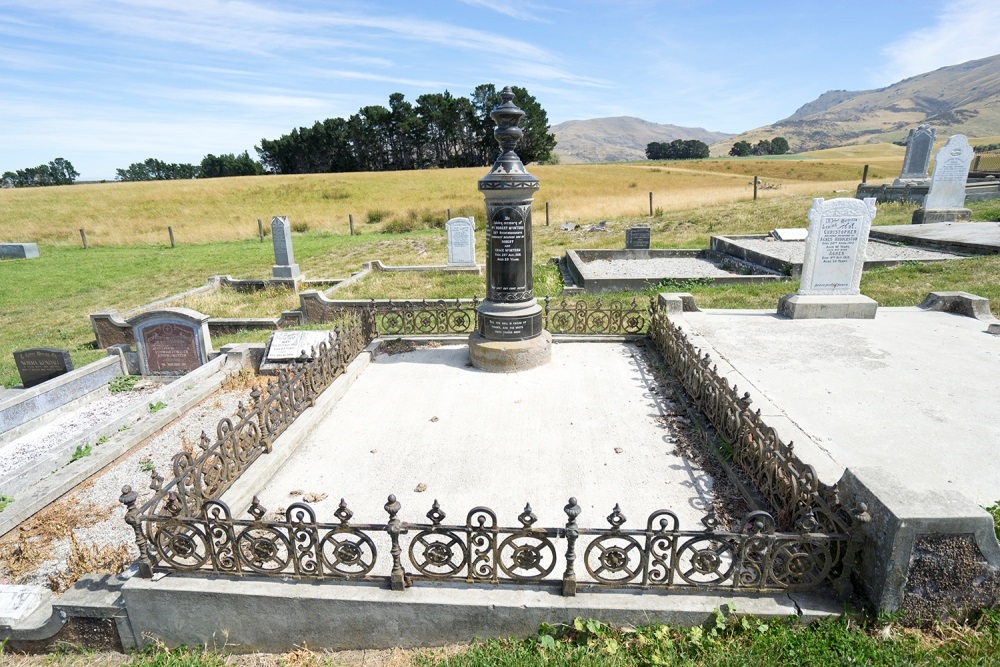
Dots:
pixel 827 306
pixel 509 356
pixel 929 216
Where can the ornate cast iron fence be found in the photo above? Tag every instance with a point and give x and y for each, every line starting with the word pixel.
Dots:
pixel 789 485
pixel 241 440
pixel 581 317
pixel 757 558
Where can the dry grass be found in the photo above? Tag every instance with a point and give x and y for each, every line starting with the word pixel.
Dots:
pixel 227 302
pixel 201 211
pixel 86 559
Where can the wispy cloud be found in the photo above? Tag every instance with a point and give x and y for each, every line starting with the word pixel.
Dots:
pixel 521 10
pixel 963 30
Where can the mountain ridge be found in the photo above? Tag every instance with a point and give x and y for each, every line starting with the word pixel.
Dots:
pixel 619 138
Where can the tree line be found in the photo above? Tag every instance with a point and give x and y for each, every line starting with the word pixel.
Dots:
pixel 212 166
pixel 678 149
pixel 56 172
pixel 440 130
pixel 776 146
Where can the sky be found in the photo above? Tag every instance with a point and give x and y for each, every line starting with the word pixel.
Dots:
pixel 105 84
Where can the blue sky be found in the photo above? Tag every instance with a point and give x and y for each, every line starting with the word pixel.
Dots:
pixel 104 84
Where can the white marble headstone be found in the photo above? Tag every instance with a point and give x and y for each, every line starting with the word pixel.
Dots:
pixel 951 171
pixel 461 241
pixel 835 245
pixel 291 345
pixel 17 602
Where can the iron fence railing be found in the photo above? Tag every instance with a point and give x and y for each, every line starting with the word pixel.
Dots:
pixel 756 558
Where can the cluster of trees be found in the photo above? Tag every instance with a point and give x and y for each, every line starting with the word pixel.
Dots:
pixel 983 148
pixel 440 130
pixel 56 172
pixel 776 146
pixel 678 149
pixel 212 166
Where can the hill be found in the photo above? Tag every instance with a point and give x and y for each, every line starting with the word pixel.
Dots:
pixel 961 98
pixel 620 138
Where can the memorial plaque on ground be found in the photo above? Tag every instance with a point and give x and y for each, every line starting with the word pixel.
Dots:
pixel 951 171
pixel 790 234
pixel 17 602
pixel 461 241
pixel 40 364
pixel 294 345
pixel 637 238
pixel 172 341
pixel 835 245
pixel 918 154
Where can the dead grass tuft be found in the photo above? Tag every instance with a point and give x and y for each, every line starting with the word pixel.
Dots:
pixel 89 559
pixel 244 380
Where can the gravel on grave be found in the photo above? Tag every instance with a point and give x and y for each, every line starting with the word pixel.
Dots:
pixel 794 251
pixel 69 425
pixel 654 267
pixel 99 494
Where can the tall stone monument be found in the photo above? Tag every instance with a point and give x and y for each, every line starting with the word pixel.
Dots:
pixel 918 156
pixel 834 260
pixel 285 270
pixel 510 336
pixel 945 201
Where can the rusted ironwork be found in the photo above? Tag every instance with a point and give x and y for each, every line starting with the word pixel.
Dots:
pixel 789 485
pixel 209 471
pixel 425 318
pixel 755 558
pixel 615 318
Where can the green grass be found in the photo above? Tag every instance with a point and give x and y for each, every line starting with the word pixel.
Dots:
pixel 4 501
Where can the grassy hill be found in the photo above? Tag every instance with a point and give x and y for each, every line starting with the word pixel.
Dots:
pixel 961 98
pixel 618 139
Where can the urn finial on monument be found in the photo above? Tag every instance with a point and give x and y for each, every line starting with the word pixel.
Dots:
pixel 509 336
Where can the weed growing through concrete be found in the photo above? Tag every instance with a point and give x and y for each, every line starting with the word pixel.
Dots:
pixel 994 511
pixel 4 501
pixel 156 407
pixel 80 452
pixel 122 383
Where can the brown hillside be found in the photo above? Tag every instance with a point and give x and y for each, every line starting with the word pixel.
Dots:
pixel 957 99
pixel 619 139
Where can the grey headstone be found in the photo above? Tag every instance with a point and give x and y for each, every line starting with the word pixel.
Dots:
pixel 835 245
pixel 918 153
pixel 637 238
pixel 39 364
pixel 292 345
pixel 284 267
pixel 172 341
pixel 461 241
pixel 18 250
pixel 951 171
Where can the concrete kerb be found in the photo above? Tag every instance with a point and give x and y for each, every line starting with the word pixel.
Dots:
pixel 53 476
pixel 238 497
pixel 255 614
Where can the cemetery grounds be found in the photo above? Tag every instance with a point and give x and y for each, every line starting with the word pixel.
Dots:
pixel 130 263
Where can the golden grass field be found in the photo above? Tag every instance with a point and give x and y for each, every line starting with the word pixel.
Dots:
pixel 207 210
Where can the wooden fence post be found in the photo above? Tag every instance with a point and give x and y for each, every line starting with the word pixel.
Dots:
pixel 546 214
pixel 864 175
pixel 651 204
pixel 170 231
pixel 83 235
pixel 350 221
pixel 756 180
pixel 260 229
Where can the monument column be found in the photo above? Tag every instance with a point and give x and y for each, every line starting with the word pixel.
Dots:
pixel 510 336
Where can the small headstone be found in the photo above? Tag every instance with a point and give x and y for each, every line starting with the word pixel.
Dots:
pixel 790 234
pixel 637 238
pixel 918 154
pixel 461 241
pixel 17 602
pixel 172 341
pixel 39 364
pixel 18 250
pixel 834 259
pixel 284 267
pixel 294 345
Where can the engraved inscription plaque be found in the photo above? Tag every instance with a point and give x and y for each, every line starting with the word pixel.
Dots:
pixel 637 238
pixel 508 249
pixel 39 364
pixel 171 348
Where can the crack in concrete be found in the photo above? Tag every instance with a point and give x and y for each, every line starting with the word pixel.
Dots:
pixel 798 609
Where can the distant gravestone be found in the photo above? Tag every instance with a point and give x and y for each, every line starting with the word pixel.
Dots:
pixel 637 238
pixel 790 234
pixel 172 341
pixel 39 364
pixel 945 200
pixel 834 260
pixel 284 267
pixel 918 155
pixel 18 250
pixel 461 241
